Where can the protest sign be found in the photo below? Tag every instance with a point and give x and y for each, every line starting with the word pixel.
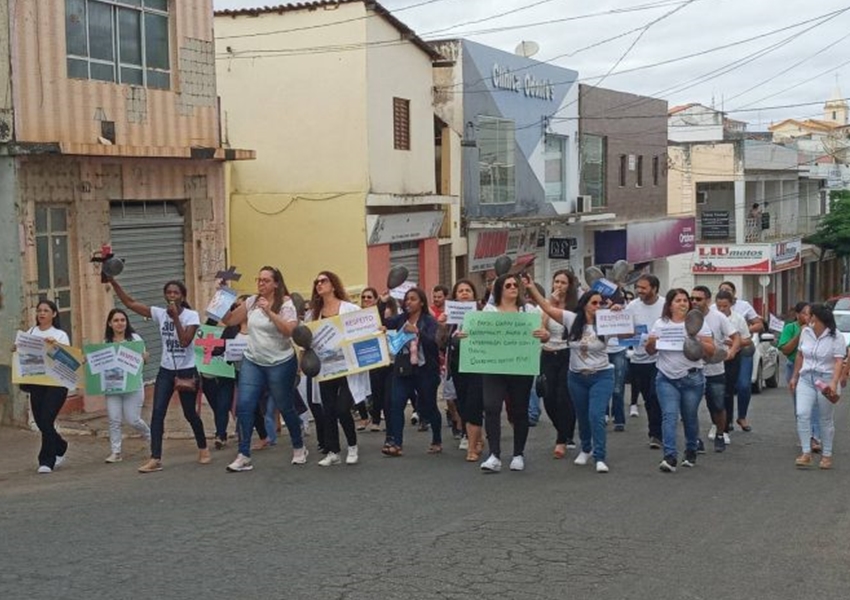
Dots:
pixel 604 287
pixel 671 337
pixel 609 322
pixel 221 302
pixel 455 311
pixel 207 360
pixel 41 363
pixel 638 339
pixel 234 350
pixel 500 343
pixel 114 368
pixel 399 292
pixel 349 343
pixel 776 324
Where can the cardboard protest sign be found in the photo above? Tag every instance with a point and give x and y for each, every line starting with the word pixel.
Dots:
pixel 207 340
pixel 114 368
pixel 349 343
pixel 500 343
pixel 37 362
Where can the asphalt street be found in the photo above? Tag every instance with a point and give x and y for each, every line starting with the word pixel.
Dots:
pixel 742 524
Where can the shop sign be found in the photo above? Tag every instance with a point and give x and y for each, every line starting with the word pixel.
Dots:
pixel 560 247
pixel 488 245
pixel 659 239
pixel 403 227
pixel 529 85
pixel 786 255
pixel 748 258
pixel 714 224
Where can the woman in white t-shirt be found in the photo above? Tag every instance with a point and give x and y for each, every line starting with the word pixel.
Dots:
pixel 591 375
pixel 177 324
pixel 127 406
pixel 816 382
pixel 46 401
pixel 269 363
pixel 680 382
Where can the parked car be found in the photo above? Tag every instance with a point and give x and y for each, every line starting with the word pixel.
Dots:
pixel 765 363
pixel 840 302
pixel 842 323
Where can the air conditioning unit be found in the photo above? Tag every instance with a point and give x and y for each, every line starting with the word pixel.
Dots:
pixel 702 198
pixel 584 204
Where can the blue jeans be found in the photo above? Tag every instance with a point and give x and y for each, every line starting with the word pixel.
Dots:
pixel 815 416
pixel 590 394
pixel 279 379
pixel 745 386
pixel 425 384
pixel 680 396
pixel 809 398
pixel 162 392
pixel 533 406
pixel 270 420
pixel 618 397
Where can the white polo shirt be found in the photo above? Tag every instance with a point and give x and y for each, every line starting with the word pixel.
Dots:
pixel 819 353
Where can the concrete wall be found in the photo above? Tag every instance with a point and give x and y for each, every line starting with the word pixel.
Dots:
pixel 693 163
pixel 633 126
pixel 11 293
pixel 51 107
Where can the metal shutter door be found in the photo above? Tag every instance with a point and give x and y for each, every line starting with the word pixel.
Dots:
pixel 407 254
pixel 149 236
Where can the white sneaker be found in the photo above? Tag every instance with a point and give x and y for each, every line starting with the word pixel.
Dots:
pixel 491 465
pixel 299 456
pixel 414 418
pixel 712 433
pixel 464 444
pixel 60 460
pixel 115 457
pixel 44 469
pixel 518 463
pixel 726 438
pixel 242 463
pixel 352 457
pixel 633 411
pixel 331 458
pixel 601 467
pixel 582 459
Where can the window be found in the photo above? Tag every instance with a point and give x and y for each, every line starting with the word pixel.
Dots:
pixel 656 174
pixel 639 167
pixel 53 260
pixel 125 41
pixel 555 168
pixel 496 161
pixel 592 172
pixel 401 124
pixel 622 173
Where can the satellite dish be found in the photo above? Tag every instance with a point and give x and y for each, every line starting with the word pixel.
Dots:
pixel 527 49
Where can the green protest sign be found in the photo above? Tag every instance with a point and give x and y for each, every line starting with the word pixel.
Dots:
pixel 114 368
pixel 500 343
pixel 208 340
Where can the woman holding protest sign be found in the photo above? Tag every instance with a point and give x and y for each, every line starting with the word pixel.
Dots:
pixel 468 386
pixel 416 368
pixel 328 300
pixel 379 379
pixel 46 401
pixel 513 389
pixel 269 363
pixel 591 375
pixel 178 324
pixel 128 405
pixel 680 382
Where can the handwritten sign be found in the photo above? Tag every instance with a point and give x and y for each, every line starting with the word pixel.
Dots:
pixel 207 360
pixel 500 343
pixel 671 337
pixel 609 322
pixel 349 343
pixel 455 311
pixel 114 368
pixel 776 324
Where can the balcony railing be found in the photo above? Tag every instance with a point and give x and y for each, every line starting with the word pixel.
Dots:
pixel 779 229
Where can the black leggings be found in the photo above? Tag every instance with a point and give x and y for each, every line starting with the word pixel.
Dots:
pixel 470 397
pixel 380 381
pixel 515 390
pixel 556 399
pixel 46 402
pixel 336 405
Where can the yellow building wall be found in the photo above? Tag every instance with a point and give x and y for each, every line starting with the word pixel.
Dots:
pixel 691 164
pixel 51 107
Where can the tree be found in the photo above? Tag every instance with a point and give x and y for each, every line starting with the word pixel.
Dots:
pixel 833 232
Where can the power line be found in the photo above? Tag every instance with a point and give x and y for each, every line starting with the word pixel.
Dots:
pixel 491 17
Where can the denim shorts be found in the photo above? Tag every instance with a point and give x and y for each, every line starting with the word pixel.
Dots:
pixel 715 387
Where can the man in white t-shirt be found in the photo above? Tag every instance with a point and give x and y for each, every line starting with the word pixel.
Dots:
pixel 743 386
pixel 725 335
pixel 646 309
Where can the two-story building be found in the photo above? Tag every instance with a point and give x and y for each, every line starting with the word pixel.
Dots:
pixel 109 135
pixel 518 122
pixel 623 154
pixel 352 174
pixel 752 206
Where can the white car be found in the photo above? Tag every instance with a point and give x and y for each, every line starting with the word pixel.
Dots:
pixel 842 323
pixel 766 363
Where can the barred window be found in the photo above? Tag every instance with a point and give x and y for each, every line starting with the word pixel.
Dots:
pixel 401 124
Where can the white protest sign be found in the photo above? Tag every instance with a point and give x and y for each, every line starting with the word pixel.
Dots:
pixel 29 344
pixel 671 337
pixel 776 324
pixel 455 311
pixel 399 292
pixel 101 360
pixel 609 322
pixel 128 360
pixel 234 349
pixel 360 323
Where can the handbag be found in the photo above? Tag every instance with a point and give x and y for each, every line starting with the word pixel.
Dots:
pixel 183 384
pixel 403 366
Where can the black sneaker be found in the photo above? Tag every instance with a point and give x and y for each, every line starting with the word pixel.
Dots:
pixel 668 465
pixel 700 447
pixel 655 444
pixel 690 459
pixel 719 444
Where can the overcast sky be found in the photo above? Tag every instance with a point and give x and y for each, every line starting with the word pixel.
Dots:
pixel 821 46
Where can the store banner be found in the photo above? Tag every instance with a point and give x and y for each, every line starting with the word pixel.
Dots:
pixel 488 245
pixel 730 258
pixel 660 239
pixel 786 255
